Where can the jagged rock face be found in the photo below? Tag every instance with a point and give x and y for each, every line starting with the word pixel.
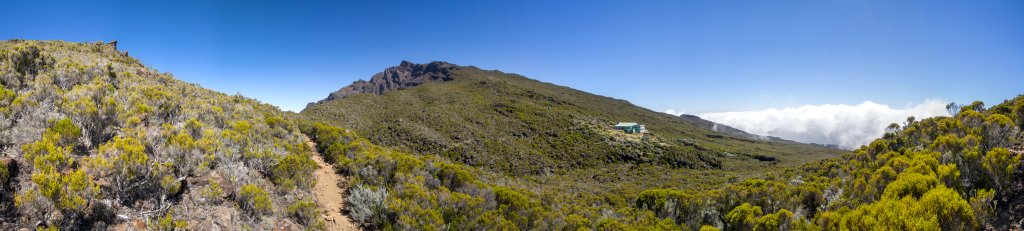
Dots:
pixel 399 77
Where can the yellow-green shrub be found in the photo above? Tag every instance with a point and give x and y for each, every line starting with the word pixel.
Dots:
pixel 743 217
pixel 254 199
pixel 212 192
pixel 294 170
pixel 168 223
pixel 306 212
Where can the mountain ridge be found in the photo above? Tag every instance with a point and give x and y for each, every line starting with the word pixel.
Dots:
pixel 509 115
pixel 406 74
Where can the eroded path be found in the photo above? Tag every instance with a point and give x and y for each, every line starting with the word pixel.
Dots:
pixel 330 194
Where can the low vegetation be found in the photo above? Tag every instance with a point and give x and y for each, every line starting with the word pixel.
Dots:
pixel 949 173
pixel 397 190
pixel 512 124
pixel 93 139
pixel 944 173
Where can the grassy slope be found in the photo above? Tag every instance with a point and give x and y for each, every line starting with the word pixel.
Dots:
pixel 949 173
pixel 520 126
pixel 556 142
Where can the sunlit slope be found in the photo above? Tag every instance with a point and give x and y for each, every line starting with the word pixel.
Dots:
pixel 510 123
pixel 92 139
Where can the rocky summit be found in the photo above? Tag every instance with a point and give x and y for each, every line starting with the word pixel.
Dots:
pixel 406 74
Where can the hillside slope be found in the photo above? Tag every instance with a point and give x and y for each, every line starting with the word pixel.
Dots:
pixel 521 126
pixel 92 139
pixel 959 172
pixel 944 173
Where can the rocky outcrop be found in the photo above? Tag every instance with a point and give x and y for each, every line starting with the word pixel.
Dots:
pixel 405 75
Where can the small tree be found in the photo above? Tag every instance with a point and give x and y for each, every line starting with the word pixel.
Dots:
pixel 977 106
pixel 953 108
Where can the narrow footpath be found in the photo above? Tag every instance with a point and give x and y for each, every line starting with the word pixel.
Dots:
pixel 330 194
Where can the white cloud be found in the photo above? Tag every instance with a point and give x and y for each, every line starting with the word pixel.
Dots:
pixel 674 112
pixel 848 126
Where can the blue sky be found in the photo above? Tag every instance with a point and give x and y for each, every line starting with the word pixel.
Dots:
pixel 693 56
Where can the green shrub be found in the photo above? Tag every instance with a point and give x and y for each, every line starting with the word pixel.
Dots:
pixel 242 127
pixel 1000 165
pixel 182 140
pixel 6 96
pixel 982 204
pixel 254 199
pixel 66 132
pixel 27 58
pixel 274 121
pixel 5 172
pixel 910 184
pixel 306 213
pixel 294 170
pixel 46 156
pixel 212 192
pixel 168 223
pixel 952 211
pixel 743 217
pixel 708 228
pixel 131 168
pixel 781 220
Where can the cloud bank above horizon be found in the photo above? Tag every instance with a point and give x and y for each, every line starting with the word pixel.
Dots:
pixel 848 126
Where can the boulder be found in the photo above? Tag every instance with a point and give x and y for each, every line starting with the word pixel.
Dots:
pixel 206 224
pixel 286 225
pixel 225 184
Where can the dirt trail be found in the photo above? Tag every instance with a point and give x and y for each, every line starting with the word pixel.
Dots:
pixel 329 193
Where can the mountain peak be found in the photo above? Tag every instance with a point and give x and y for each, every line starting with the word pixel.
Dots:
pixel 406 63
pixel 406 74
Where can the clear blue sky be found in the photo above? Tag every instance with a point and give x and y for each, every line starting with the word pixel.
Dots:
pixel 697 56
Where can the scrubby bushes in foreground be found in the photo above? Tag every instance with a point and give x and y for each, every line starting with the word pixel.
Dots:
pixel 100 141
pixel 946 173
pixel 396 190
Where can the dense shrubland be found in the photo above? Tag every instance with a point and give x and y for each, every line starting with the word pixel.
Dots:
pixel 543 146
pixel 91 138
pixel 950 173
pixel 512 124
pixel 396 190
